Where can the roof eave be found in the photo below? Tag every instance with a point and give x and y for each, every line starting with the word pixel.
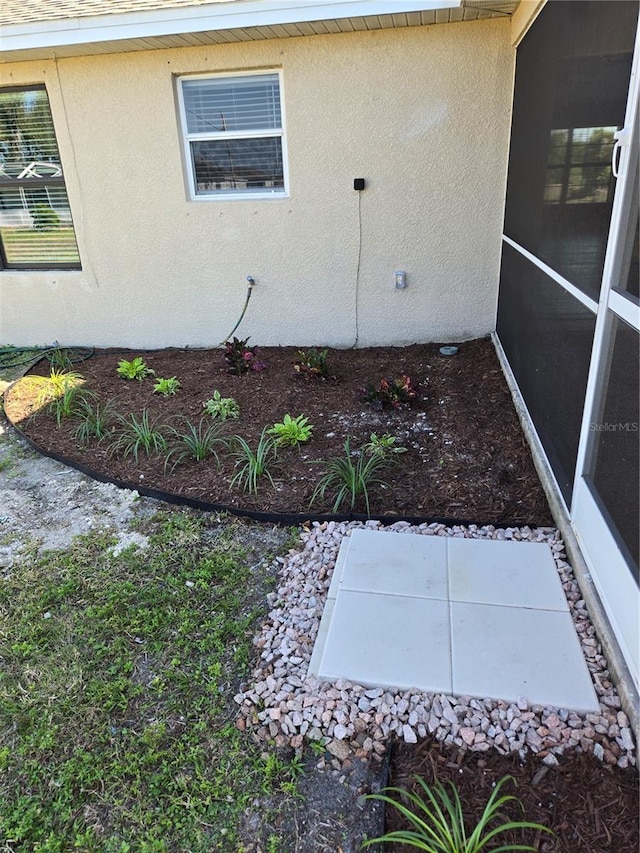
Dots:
pixel 25 40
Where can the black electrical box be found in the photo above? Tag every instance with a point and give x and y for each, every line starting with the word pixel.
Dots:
pixel 358 183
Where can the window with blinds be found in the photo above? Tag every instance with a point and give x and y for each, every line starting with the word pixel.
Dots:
pixel 36 229
pixel 233 134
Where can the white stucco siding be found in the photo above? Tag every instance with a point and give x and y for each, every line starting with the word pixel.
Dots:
pixel 421 113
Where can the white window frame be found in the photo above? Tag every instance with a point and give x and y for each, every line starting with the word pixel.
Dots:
pixel 188 138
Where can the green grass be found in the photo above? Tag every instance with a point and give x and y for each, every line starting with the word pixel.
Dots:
pixel 116 715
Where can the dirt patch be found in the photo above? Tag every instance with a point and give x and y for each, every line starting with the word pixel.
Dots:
pixel 466 458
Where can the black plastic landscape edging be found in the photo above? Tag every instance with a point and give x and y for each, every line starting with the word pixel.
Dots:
pixel 284 518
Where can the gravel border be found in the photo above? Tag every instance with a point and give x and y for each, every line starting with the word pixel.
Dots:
pixel 285 705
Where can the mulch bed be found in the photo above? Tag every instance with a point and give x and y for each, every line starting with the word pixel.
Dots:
pixel 590 806
pixel 466 457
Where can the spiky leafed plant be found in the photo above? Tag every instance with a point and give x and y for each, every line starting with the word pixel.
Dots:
pixel 438 824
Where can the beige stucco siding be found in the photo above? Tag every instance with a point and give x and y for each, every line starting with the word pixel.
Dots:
pixel 421 113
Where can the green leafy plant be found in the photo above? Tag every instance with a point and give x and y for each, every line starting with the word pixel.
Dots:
pixel 221 407
pixel 195 442
pixel 166 387
pixel 253 465
pixel 60 359
pixel 312 363
pixel 348 478
pixel 96 418
pixel 44 217
pixel 291 431
pixel 395 393
pixel 134 369
pixel 65 405
pixel 438 820
pixel 241 358
pixel 134 435
pixel 383 444
pixel 56 384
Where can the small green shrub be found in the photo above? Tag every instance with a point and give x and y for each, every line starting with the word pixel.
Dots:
pixel 44 217
pixel 195 442
pixel 312 363
pixel 65 405
pixel 56 383
pixel 60 359
pixel 395 394
pixel 166 387
pixel 348 478
pixel 134 369
pixel 383 444
pixel 253 465
pixel 224 408
pixel 291 431
pixel 241 358
pixel 438 821
pixel 134 435
pixel 96 418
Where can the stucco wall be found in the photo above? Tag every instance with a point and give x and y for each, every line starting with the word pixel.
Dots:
pixel 421 113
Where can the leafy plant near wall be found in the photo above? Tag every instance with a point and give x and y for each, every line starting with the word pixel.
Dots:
pixel 438 820
pixel 384 444
pixel 195 442
pixel 291 431
pixel 241 358
pixel 65 405
pixel 348 478
pixel 222 407
pixel 135 434
pixel 134 369
pixel 60 359
pixel 312 364
pixel 253 465
pixel 56 384
pixel 96 418
pixel 166 387
pixel 395 393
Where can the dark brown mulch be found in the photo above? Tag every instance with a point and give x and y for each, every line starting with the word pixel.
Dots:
pixel 467 458
pixel 590 806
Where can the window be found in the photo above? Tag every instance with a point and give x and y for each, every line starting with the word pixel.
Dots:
pixel 233 132
pixel 579 166
pixel 36 230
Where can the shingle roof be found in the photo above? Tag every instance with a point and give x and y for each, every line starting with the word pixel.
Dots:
pixel 31 11
pixel 34 11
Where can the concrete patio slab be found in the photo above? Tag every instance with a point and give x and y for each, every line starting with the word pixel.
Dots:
pixel 358 645
pixel 508 652
pixel 415 567
pixel 445 614
pixel 516 574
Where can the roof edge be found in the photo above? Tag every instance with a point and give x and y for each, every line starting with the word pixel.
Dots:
pixel 216 16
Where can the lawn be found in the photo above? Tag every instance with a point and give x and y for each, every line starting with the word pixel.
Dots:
pixel 117 728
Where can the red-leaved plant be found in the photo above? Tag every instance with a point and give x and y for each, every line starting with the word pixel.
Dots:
pixel 242 358
pixel 395 393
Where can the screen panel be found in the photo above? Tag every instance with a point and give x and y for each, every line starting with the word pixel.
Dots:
pixel 572 78
pixel 547 337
